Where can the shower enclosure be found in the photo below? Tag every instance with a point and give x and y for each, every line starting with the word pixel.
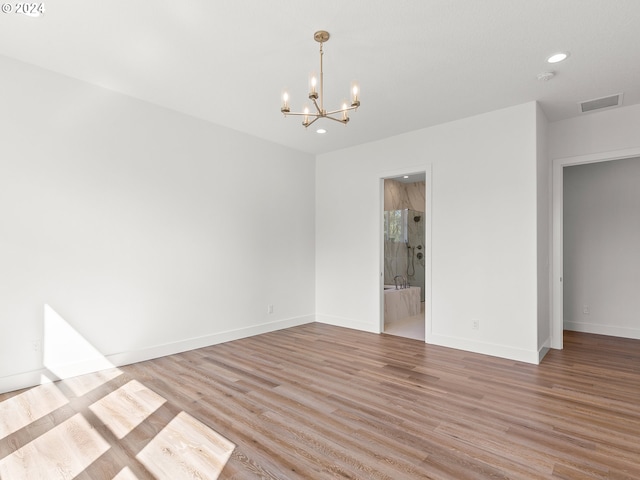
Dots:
pixel 404 248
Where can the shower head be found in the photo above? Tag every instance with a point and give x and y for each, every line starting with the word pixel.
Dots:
pixel 417 218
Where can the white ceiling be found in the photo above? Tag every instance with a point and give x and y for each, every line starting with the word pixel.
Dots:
pixel 419 62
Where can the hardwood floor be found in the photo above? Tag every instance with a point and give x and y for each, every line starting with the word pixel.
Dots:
pixel 317 401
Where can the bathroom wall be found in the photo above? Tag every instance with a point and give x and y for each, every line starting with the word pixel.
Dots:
pixel 416 251
pixel 400 195
pixel 147 231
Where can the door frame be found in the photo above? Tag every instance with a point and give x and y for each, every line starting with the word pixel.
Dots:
pixel 389 175
pixel 557 255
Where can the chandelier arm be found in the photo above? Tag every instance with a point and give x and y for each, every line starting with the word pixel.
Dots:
pixel 337 120
pixel 311 122
pixel 318 108
pixel 333 112
pixel 302 113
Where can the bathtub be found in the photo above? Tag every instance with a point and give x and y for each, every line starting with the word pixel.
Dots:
pixel 401 303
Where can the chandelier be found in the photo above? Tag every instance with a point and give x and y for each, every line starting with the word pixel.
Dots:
pixel 317 96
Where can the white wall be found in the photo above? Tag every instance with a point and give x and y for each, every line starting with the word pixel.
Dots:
pixel 146 230
pixel 594 137
pixel 544 233
pixel 602 247
pixel 606 131
pixel 484 230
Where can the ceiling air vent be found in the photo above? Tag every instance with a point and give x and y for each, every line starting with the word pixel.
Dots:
pixel 600 103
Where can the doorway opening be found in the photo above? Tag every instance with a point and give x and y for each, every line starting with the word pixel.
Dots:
pixel 404 256
pixel 558 300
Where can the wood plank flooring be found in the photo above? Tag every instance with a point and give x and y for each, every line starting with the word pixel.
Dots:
pixel 317 401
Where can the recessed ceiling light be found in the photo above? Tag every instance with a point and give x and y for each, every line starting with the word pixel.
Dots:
pixel 406 176
pixel 321 130
pixel 558 57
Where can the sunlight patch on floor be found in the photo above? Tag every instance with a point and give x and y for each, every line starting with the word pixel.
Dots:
pixel 63 452
pixel 83 384
pixel 185 449
pixel 23 409
pixel 127 407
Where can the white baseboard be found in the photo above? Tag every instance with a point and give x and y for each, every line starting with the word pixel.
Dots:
pixel 598 329
pixel 36 377
pixel 444 341
pixel 544 349
pixel 127 358
pixel 527 356
pixel 347 323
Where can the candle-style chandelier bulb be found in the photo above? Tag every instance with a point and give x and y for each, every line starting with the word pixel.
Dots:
pixel 316 95
pixel 355 90
pixel 285 103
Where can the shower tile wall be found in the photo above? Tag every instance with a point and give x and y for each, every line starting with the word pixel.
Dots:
pixel 398 195
pixel 415 254
pixel 415 193
pixel 395 195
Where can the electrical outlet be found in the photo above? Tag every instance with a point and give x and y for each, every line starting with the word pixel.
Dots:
pixel 270 309
pixel 585 309
pixel 475 324
pixel 36 345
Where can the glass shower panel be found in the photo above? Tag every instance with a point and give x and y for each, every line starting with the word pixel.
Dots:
pixel 404 247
